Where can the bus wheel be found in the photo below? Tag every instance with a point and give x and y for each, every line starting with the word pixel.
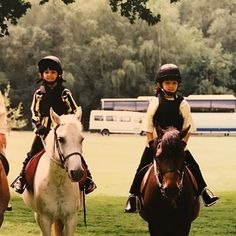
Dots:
pixel 105 132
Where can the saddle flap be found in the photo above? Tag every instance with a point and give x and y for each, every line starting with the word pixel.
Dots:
pixel 192 179
pixel 147 170
pixel 31 168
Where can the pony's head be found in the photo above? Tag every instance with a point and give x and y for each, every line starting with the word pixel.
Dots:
pixel 170 157
pixel 68 138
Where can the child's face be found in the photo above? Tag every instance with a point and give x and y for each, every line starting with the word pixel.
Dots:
pixel 170 85
pixel 50 75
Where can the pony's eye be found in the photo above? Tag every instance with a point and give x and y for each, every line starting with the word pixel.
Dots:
pixel 61 139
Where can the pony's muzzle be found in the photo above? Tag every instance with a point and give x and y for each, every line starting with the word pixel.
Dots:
pixel 76 175
pixel 171 192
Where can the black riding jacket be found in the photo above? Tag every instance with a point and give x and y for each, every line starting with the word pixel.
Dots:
pixel 59 99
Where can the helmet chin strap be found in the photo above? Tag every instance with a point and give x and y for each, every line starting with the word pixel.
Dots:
pixel 171 94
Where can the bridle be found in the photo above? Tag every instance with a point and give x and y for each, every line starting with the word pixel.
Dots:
pixel 62 157
pixel 160 175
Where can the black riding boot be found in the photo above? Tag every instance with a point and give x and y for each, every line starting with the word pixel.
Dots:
pixel 146 159
pixel 207 196
pixel 89 185
pixel 19 183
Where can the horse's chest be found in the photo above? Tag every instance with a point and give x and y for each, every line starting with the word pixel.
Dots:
pixel 58 199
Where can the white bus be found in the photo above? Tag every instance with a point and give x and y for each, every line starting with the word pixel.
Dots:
pixel 211 113
pixel 108 122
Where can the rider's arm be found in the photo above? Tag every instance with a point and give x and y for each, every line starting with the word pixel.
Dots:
pixel 69 100
pixel 35 108
pixel 188 120
pixel 148 125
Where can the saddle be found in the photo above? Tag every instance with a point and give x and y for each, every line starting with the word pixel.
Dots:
pixel 31 168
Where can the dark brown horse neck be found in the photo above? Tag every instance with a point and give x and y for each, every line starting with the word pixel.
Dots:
pixel 4 192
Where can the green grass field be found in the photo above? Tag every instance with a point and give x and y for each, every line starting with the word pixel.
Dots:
pixel 113 161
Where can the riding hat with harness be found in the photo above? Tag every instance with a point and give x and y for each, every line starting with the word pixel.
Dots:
pixel 51 94
pixel 167 109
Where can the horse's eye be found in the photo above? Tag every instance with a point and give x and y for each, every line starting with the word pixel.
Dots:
pixel 61 139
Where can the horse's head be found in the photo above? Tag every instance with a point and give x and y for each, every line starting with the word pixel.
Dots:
pixel 169 160
pixel 68 138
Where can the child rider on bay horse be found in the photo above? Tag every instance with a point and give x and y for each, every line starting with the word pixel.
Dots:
pixel 50 94
pixel 168 109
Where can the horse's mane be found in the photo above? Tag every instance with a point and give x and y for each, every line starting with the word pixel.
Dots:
pixel 171 142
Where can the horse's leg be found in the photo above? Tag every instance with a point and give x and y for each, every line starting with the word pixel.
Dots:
pixel 58 227
pixel 1 218
pixel 153 230
pixel 44 223
pixel 184 229
pixel 70 226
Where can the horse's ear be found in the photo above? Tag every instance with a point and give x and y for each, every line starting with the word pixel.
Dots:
pixel 54 117
pixel 183 132
pixel 78 113
pixel 159 131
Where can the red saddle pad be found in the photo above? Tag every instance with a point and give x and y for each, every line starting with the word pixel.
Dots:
pixel 31 168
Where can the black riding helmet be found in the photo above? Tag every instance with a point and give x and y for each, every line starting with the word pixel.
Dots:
pixel 168 72
pixel 50 62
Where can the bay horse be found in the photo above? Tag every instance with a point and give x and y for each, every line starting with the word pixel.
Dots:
pixel 56 196
pixel 169 199
pixel 4 192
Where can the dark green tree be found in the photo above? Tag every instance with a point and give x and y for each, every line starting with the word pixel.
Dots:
pixel 12 10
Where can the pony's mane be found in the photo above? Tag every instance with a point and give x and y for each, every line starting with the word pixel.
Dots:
pixel 171 140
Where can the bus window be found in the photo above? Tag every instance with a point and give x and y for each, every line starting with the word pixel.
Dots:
pixel 123 106
pixel 200 106
pixel 98 118
pixel 107 105
pixel 142 106
pixel 125 119
pixel 223 106
pixel 110 118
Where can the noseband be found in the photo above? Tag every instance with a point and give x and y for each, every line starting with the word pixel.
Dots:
pixel 63 158
pixel 160 176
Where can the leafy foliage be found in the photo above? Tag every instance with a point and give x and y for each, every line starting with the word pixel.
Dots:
pixel 15 118
pixel 11 11
pixel 103 55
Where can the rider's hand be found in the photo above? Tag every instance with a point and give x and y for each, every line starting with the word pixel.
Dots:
pixel 3 141
pixel 41 129
pixel 183 143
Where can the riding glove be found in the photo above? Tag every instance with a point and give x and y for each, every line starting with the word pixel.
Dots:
pixel 41 129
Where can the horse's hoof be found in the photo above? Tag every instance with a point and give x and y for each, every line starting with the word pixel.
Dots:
pixel 9 207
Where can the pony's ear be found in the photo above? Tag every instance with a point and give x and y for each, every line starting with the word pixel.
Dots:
pixel 78 113
pixel 159 132
pixel 183 133
pixel 54 117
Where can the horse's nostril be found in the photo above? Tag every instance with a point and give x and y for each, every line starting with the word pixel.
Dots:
pixel 76 175
pixel 171 192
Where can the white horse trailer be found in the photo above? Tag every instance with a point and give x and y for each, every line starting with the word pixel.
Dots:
pixel 107 122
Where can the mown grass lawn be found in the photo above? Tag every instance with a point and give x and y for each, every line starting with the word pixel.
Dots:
pixel 113 161
pixel 105 217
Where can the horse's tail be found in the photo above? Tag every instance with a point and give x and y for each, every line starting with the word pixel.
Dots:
pixel 58 227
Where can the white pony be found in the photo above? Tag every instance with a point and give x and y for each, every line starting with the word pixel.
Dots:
pixel 56 196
